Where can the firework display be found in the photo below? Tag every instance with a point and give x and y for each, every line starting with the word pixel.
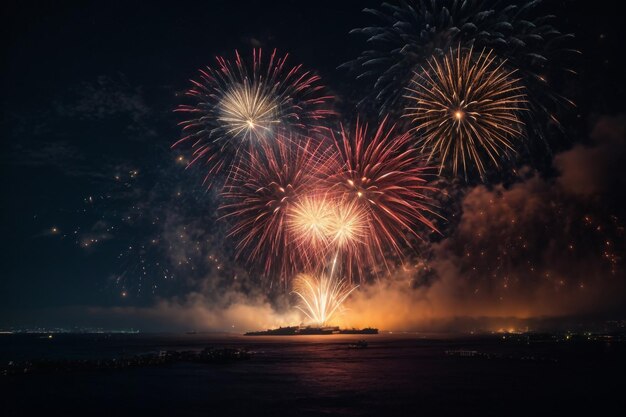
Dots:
pixel 466 108
pixel 238 104
pixel 241 208
pixel 294 201
pixel 460 87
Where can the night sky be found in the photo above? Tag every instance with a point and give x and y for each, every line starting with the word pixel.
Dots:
pixel 102 225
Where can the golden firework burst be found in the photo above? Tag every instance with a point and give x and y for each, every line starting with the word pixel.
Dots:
pixel 466 109
pixel 248 111
pixel 348 227
pixel 309 221
pixel 320 224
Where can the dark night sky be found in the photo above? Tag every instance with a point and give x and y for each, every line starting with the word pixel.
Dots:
pixel 87 121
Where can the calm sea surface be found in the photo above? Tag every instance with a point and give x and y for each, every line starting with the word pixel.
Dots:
pixel 396 375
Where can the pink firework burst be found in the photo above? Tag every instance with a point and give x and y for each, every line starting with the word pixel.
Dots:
pixel 264 186
pixel 383 174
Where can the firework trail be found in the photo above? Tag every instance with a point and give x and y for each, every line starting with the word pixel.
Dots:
pixel 382 175
pixel 413 31
pixel 321 295
pixel 264 186
pixel 466 108
pixel 237 105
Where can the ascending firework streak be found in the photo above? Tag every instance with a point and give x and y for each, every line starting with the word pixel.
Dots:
pixel 321 296
pixel 466 108
pixel 236 105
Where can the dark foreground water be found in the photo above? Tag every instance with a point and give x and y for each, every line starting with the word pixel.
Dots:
pixel 397 375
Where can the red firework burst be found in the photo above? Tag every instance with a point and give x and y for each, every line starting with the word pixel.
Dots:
pixel 236 104
pixel 383 175
pixel 263 187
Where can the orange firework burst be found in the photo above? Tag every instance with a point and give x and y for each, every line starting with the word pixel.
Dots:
pixel 382 177
pixel 466 109
pixel 263 188
pixel 237 104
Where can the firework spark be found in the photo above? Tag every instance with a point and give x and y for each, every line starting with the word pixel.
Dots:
pixel 466 109
pixel 321 296
pixel 236 105
pixel 383 176
pixel 264 186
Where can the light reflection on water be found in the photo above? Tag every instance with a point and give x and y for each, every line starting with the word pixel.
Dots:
pixel 313 375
